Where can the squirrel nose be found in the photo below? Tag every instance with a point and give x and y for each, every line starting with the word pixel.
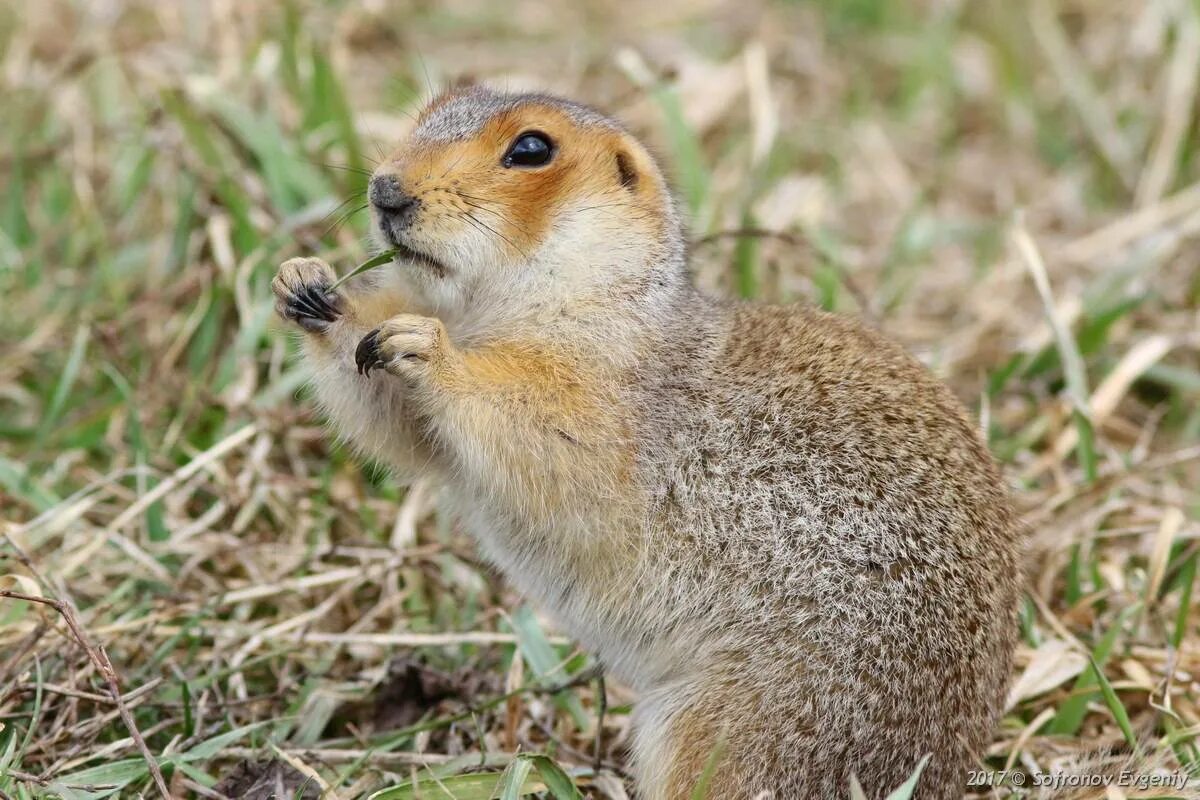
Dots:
pixel 389 197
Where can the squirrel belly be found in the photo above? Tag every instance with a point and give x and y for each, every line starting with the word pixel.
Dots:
pixel 772 522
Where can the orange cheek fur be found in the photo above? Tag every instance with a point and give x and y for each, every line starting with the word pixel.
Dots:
pixel 463 186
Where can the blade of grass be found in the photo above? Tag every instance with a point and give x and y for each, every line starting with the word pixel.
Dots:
pixel 200 776
pixel 545 661
pixel 135 169
pixel 218 158
pixel 9 757
pixel 685 146
pixel 687 154
pixel 1073 710
pixel 512 782
pixel 113 776
pixel 745 259
pixel 156 526
pixel 1186 581
pixel 1115 706
pixel 700 792
pixel 1073 366
pixel 15 221
pixel 291 181
pixel 370 263
pixel 211 747
pixel 35 716
pixel 66 382
pixel 478 786
pixel 330 89
pixel 15 478
pixel 556 779
pixel 906 789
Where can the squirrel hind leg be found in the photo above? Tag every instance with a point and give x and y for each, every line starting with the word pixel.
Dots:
pixel 681 740
pixel 749 742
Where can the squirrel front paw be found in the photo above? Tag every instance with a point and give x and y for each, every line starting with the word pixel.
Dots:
pixel 302 293
pixel 408 346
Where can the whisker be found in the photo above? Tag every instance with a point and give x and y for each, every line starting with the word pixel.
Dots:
pixel 341 167
pixel 425 70
pixel 511 243
pixel 484 205
pixel 474 222
pixel 332 229
pixel 409 95
pixel 627 208
pixel 476 198
pixel 374 141
pixel 510 129
pixel 379 151
pixel 343 204
pixel 493 212
pixel 452 166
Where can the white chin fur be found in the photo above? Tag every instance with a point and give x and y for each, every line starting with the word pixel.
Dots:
pixel 483 289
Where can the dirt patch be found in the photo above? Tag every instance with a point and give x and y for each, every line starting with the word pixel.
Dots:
pixel 267 780
pixel 408 692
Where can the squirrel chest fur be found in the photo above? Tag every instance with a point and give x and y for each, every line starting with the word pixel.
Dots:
pixel 772 522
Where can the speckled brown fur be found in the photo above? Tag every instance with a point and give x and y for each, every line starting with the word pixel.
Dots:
pixel 772 522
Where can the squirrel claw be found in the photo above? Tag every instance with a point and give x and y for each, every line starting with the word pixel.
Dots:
pixel 302 292
pixel 325 303
pixel 366 355
pixel 408 346
pixel 312 307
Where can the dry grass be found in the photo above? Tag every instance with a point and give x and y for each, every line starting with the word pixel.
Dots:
pixel 250 583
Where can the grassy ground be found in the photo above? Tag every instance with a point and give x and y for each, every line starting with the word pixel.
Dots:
pixel 1009 187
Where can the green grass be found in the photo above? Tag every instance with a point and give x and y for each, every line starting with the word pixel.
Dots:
pixel 155 172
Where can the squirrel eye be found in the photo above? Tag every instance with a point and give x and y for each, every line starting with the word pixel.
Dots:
pixel 531 149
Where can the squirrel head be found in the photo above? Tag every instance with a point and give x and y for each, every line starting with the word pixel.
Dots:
pixel 499 199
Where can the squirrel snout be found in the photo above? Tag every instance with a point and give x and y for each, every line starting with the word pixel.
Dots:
pixel 388 197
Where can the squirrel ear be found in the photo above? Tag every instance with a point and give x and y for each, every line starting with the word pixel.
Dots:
pixel 626 171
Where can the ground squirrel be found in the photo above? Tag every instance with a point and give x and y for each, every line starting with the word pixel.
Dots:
pixel 772 522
